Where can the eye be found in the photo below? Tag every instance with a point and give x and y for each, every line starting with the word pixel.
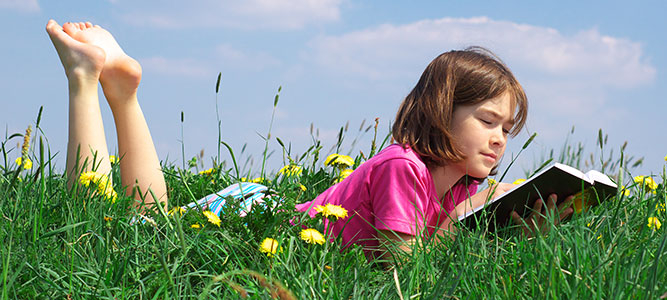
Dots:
pixel 487 122
pixel 506 131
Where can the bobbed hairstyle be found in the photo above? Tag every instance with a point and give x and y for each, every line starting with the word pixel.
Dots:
pixel 459 77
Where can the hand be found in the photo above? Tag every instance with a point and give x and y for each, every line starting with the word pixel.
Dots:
pixel 481 197
pixel 497 189
pixel 536 222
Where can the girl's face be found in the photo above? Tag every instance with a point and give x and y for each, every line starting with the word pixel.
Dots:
pixel 481 134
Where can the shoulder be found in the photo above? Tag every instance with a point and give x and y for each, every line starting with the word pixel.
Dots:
pixel 398 155
pixel 397 162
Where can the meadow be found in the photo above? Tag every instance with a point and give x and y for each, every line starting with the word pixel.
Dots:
pixel 60 242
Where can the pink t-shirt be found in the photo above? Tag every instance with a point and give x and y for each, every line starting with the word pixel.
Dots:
pixel 394 190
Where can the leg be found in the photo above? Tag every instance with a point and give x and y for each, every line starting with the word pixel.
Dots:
pixel 83 65
pixel 120 77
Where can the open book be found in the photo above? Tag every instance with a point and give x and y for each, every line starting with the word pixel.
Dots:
pixel 591 188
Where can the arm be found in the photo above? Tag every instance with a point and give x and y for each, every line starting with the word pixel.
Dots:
pixel 392 240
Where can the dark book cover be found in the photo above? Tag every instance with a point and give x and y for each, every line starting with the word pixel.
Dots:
pixel 558 179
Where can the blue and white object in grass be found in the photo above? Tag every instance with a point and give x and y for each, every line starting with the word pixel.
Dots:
pixel 247 193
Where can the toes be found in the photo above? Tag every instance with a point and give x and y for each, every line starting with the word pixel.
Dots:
pixel 53 26
pixel 89 25
pixel 70 28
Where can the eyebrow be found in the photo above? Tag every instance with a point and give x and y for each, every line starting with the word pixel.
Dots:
pixel 496 115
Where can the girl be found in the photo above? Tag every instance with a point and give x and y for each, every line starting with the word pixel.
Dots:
pixel 450 133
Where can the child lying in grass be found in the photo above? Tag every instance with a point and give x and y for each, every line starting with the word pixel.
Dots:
pixel 450 133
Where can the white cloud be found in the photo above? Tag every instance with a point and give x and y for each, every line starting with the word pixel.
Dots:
pixel 180 67
pixel 20 5
pixel 247 60
pixel 252 14
pixel 570 80
pixel 389 51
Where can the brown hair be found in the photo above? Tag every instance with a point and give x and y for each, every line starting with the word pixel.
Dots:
pixel 462 77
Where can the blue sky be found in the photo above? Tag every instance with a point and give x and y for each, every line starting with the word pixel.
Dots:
pixel 587 64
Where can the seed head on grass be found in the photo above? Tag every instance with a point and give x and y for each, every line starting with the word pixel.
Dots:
pixel 654 223
pixel 269 246
pixel 27 164
pixel 26 141
pixel 331 210
pixel 339 161
pixel 212 217
pixel 312 236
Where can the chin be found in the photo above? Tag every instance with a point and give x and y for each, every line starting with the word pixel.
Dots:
pixel 480 173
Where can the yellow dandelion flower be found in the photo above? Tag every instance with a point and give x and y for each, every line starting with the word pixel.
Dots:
pixel 625 192
pixel 113 159
pixel 290 170
pixel 492 181
pixel 195 225
pixel 312 236
pixel 654 223
pixel 101 182
pixel 108 219
pixel 212 217
pixel 660 207
pixel 344 174
pixel 269 246
pixel 519 181
pixel 206 172
pixel 665 157
pixel 646 182
pixel 26 165
pixel 302 187
pixel 255 180
pixel 176 209
pixel 327 267
pixel 339 160
pixel 332 210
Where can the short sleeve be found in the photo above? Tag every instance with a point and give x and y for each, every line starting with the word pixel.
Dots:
pixel 399 196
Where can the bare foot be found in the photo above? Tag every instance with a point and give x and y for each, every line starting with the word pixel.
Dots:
pixel 80 60
pixel 121 74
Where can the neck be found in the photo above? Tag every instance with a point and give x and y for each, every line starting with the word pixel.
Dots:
pixel 444 179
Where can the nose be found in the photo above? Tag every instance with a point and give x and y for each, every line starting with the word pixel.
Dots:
pixel 498 138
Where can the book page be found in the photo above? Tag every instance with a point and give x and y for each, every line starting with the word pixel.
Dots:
pixel 596 177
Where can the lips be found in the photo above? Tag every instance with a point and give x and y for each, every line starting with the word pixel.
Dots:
pixel 492 156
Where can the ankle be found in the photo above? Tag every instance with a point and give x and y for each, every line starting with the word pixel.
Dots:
pixel 78 82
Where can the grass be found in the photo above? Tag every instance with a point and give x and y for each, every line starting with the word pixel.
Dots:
pixel 64 243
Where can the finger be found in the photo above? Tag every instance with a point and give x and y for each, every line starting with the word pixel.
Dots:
pixel 567 212
pixel 520 222
pixel 551 202
pixel 537 208
pixel 567 203
pixel 516 218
